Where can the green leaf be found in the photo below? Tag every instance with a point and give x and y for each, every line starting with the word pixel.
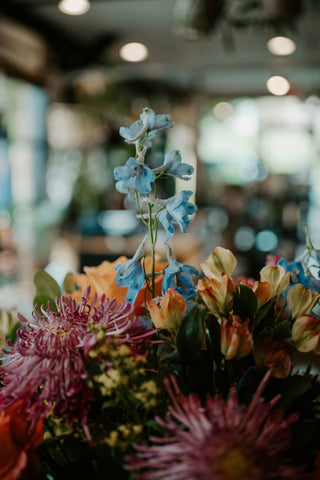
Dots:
pixel 214 333
pixel 290 388
pixel 189 338
pixel 44 300
pixel 244 302
pixel 282 330
pixel 47 289
pixel 68 284
pixel 264 310
pixel 265 318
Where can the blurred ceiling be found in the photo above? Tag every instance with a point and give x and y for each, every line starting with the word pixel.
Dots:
pixel 216 46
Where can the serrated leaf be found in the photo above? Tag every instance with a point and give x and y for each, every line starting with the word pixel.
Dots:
pixel 189 338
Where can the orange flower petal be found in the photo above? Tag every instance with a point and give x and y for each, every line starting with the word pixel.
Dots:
pixel 102 281
pixel 17 443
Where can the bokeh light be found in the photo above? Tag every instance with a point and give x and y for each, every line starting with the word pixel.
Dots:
pixel 281 46
pixel 278 85
pixel 133 52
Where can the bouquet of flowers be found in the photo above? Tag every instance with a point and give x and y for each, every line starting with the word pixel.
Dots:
pixel 145 368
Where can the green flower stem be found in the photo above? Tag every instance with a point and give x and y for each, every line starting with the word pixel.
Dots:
pixel 281 310
pixel 139 208
pixel 153 240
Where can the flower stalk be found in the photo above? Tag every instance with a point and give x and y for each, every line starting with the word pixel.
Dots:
pixel 138 178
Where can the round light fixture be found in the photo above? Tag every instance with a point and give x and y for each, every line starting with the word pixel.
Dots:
pixel 133 52
pixel 223 110
pixel 74 7
pixel 281 46
pixel 278 85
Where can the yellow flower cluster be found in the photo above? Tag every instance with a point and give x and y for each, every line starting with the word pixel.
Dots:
pixel 121 436
pixel 147 393
pixel 110 380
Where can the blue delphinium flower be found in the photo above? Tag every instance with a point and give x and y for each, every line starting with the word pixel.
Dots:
pixel 177 212
pixel 133 176
pixel 132 133
pixel 178 276
pixel 297 270
pixel 174 166
pixel 148 121
pixel 151 121
pixel 130 274
pixel 300 274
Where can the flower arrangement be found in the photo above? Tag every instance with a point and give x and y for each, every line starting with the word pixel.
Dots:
pixel 148 369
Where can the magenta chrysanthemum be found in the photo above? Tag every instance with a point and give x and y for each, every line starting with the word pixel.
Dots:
pixel 45 367
pixel 218 441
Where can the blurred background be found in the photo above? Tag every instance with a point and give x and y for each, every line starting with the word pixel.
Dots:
pixel 241 80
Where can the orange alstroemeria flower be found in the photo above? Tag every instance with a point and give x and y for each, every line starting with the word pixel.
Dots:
pixel 271 353
pixel 301 300
pixel 220 261
pixel 17 445
pixel 216 293
pixel 102 281
pixel 306 334
pixel 277 277
pixel 168 311
pixel 236 337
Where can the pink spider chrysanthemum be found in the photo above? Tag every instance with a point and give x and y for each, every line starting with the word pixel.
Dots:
pixel 45 367
pixel 220 440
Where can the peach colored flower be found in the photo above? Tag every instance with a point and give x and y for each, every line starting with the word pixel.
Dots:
pixel 216 293
pixel 220 261
pixel 301 300
pixel 102 281
pixel 236 337
pixel 277 277
pixel 306 334
pixel 271 353
pixel 167 312
pixel 17 445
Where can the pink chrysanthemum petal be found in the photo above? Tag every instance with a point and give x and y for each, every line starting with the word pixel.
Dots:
pixel 45 367
pixel 221 440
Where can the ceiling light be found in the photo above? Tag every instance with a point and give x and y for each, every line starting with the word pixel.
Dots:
pixel 281 46
pixel 133 52
pixel 223 110
pixel 74 7
pixel 278 85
